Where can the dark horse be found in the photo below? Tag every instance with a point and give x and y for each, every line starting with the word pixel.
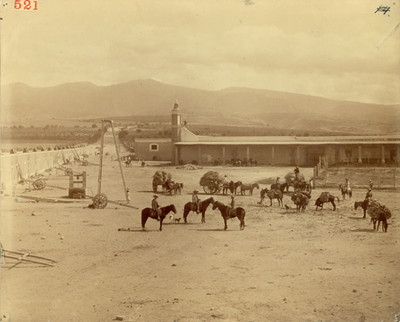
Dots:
pixel 271 194
pixel 148 212
pixel 345 191
pixel 231 186
pixel 363 205
pixel 227 212
pixel 282 186
pixel 190 206
pixel 327 198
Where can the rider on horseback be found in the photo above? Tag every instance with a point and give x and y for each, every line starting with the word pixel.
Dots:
pixel 277 184
pixel 347 184
pixel 196 201
pixel 156 207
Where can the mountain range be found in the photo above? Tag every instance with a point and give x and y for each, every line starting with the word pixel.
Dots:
pixel 233 106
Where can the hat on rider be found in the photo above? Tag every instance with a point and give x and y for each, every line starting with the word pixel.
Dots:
pixel 155 196
pixel 195 191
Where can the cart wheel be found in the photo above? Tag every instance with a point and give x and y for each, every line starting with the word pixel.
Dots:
pixel 208 190
pixel 39 184
pixel 100 201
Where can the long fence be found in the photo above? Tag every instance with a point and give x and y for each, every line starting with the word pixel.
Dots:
pixel 359 176
pixel 15 167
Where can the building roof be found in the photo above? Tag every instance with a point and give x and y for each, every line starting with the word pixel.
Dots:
pixel 189 138
pixel 152 140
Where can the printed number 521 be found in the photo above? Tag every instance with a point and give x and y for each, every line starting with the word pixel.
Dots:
pixel 26 5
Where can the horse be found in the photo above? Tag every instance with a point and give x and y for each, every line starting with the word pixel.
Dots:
pixel 148 212
pixel 326 197
pixel 345 191
pixel 363 204
pixel 300 199
pixel 228 186
pixel 249 186
pixel 282 186
pixel 227 212
pixel 232 186
pixel 190 206
pixel 128 163
pixel 271 194
pixel 176 187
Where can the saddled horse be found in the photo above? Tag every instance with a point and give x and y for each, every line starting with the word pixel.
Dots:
pixel 176 188
pixel 227 212
pixel 191 206
pixel 248 186
pixel 271 194
pixel 345 191
pixel 148 212
pixel 282 186
pixel 301 199
pixel 326 197
pixel 231 186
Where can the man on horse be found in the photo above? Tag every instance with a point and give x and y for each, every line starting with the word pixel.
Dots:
pixel 347 185
pixel 196 201
pixel 368 196
pixel 278 184
pixel 156 207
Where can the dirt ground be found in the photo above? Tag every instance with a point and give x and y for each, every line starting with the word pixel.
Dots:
pixel 317 265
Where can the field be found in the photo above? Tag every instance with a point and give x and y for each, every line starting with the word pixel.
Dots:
pixel 284 266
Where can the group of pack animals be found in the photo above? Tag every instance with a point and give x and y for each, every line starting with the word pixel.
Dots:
pixel 226 212
pixel 300 197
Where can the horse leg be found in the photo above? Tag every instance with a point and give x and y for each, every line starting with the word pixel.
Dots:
pixel 144 219
pixel 270 204
pixel 161 220
pixel 203 217
pixel 226 226
pixel 333 204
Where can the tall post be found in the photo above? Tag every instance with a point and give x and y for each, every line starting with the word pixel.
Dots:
pixel 359 154
pixel 248 153
pixel 383 154
pixel 119 161
pixel 101 158
pixel 223 155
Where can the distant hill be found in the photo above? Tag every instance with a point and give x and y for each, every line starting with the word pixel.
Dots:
pixel 234 106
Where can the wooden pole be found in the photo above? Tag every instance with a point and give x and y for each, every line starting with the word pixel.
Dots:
pixel 101 158
pixel 119 161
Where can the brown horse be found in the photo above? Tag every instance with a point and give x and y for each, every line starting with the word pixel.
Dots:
pixel 325 197
pixel 227 212
pixel 191 206
pixel 363 205
pixel 271 194
pixel 148 212
pixel 231 186
pixel 345 191
pixel 248 186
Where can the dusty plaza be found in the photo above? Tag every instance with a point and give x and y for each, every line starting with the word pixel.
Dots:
pixel 309 266
pixel 196 161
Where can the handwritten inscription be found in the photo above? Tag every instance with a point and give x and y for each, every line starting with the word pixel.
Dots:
pixel 25 5
pixel 383 9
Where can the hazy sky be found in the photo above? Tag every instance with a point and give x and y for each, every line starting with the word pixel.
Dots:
pixel 332 48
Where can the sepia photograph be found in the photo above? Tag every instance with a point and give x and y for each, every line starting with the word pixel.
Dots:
pixel 183 161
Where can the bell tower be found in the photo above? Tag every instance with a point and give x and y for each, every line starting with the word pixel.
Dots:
pixel 176 123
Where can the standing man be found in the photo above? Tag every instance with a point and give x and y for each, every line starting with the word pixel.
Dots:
pixel 128 195
pixel 156 207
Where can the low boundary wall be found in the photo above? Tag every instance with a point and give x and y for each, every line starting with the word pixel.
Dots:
pixel 33 163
